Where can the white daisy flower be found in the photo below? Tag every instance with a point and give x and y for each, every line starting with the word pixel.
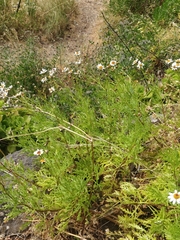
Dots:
pixel 52 71
pixel 178 63
pixel 43 80
pixel 113 63
pixel 140 65
pixel 174 66
pixel 78 62
pixel 135 61
pixel 100 67
pixel 39 152
pixel 4 90
pixel 43 71
pixel 51 89
pixel 65 69
pixel 3 84
pixel 4 94
pixel 168 61
pixel 174 197
pixel 77 53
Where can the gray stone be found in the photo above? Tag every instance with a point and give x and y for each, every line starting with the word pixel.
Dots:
pixel 21 156
pixel 13 226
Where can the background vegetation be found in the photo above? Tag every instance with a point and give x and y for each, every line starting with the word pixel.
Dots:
pixel 105 132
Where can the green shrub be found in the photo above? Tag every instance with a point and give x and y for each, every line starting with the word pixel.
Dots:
pixel 160 11
pixel 136 7
pixel 163 15
pixel 105 136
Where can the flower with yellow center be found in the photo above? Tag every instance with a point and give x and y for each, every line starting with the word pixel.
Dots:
pixel 77 53
pixel 100 67
pixel 174 66
pixel 177 63
pixel 113 63
pixel 174 197
pixel 168 61
pixel 140 65
pixel 38 152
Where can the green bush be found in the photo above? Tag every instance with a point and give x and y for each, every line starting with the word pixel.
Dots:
pixel 105 123
pixel 91 139
pixel 160 11
pixel 105 137
pixel 163 15
pixel 135 7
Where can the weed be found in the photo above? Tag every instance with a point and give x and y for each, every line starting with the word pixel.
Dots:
pixel 104 135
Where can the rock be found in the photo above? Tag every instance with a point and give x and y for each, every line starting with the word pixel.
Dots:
pixel 13 226
pixel 20 156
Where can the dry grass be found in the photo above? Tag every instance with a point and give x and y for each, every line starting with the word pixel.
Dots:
pixel 170 33
pixel 40 17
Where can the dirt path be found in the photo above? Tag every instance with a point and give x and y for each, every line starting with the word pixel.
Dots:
pixel 87 28
pixel 83 33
